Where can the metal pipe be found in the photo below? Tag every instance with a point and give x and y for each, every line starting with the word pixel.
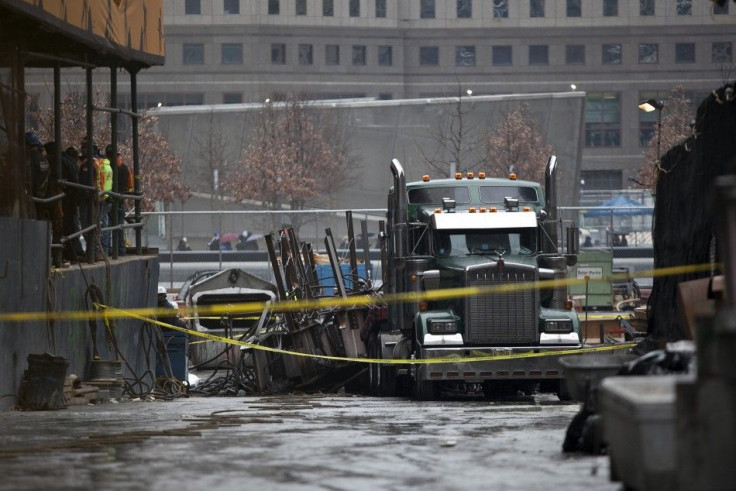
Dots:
pixel 117 203
pixel 401 211
pixel 117 110
pixel 56 252
pixel 136 161
pixel 91 238
pixel 550 191
pixel 550 187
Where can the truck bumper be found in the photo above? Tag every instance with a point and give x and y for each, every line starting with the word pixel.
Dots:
pixel 545 367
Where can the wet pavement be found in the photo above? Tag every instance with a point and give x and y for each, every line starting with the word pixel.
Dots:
pixel 330 442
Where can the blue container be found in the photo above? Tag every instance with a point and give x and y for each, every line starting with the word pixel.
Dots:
pixel 177 347
pixel 327 279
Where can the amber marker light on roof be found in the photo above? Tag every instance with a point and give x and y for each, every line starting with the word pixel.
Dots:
pixel 512 176
pixel 458 175
pixel 481 175
pixel 425 178
pixel 438 210
pixel 493 209
pixel 526 208
pixel 471 209
pixel 483 209
pixel 470 175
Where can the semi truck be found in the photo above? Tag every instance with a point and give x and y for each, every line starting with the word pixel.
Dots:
pixel 498 237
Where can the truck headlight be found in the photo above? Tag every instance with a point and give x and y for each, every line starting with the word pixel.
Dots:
pixel 442 327
pixel 558 325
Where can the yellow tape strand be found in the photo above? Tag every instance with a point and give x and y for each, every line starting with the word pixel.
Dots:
pixel 349 302
pixel 432 361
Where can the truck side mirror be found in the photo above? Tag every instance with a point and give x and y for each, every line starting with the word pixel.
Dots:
pixel 573 244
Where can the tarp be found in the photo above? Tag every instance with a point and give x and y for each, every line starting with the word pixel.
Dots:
pixel 620 206
pixel 132 29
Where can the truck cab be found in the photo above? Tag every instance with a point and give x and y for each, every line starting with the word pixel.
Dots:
pixel 477 251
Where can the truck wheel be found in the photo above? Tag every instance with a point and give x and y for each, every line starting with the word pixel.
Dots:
pixel 425 390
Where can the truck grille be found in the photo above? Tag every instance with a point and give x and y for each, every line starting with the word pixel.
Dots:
pixel 501 318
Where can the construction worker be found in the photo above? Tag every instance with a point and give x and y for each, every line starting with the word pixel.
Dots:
pixel 105 185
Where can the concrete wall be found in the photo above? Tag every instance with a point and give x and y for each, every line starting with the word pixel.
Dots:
pixel 378 131
pixel 29 285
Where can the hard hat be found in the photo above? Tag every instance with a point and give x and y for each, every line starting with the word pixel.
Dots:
pixel 161 290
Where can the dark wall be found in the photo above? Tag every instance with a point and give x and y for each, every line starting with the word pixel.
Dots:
pixel 685 214
pixel 29 285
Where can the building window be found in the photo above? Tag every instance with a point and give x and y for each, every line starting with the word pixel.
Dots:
pixel 426 9
pixel 273 7
pixel 684 52
pixel 232 54
pixel 611 54
pixel 602 179
pixel 646 7
pixel 500 9
pixel 193 54
pixel 380 8
pixel 278 54
pixel 354 8
pixel 168 99
pixel 359 55
pixel 328 8
pixel 231 7
pixel 720 9
pixel 465 56
pixel 429 56
pixel 610 8
pixel 192 7
pixel 648 53
pixel 305 54
pixel 536 8
pixel 684 7
pixel 332 54
pixel 385 56
pixel 300 7
pixel 501 55
pixel 539 54
pixel 575 54
pixel 573 8
pixel 232 98
pixel 196 99
pixel 464 9
pixel 721 52
pixel 602 119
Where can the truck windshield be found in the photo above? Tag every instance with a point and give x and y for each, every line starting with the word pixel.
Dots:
pixel 496 194
pixel 500 242
pixel 433 196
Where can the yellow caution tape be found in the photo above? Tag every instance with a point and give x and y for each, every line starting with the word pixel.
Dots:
pixel 432 361
pixel 356 301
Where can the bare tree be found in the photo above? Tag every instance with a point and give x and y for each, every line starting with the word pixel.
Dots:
pixel 161 178
pixel 292 160
pixel 516 145
pixel 676 127
pixel 455 138
pixel 211 150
